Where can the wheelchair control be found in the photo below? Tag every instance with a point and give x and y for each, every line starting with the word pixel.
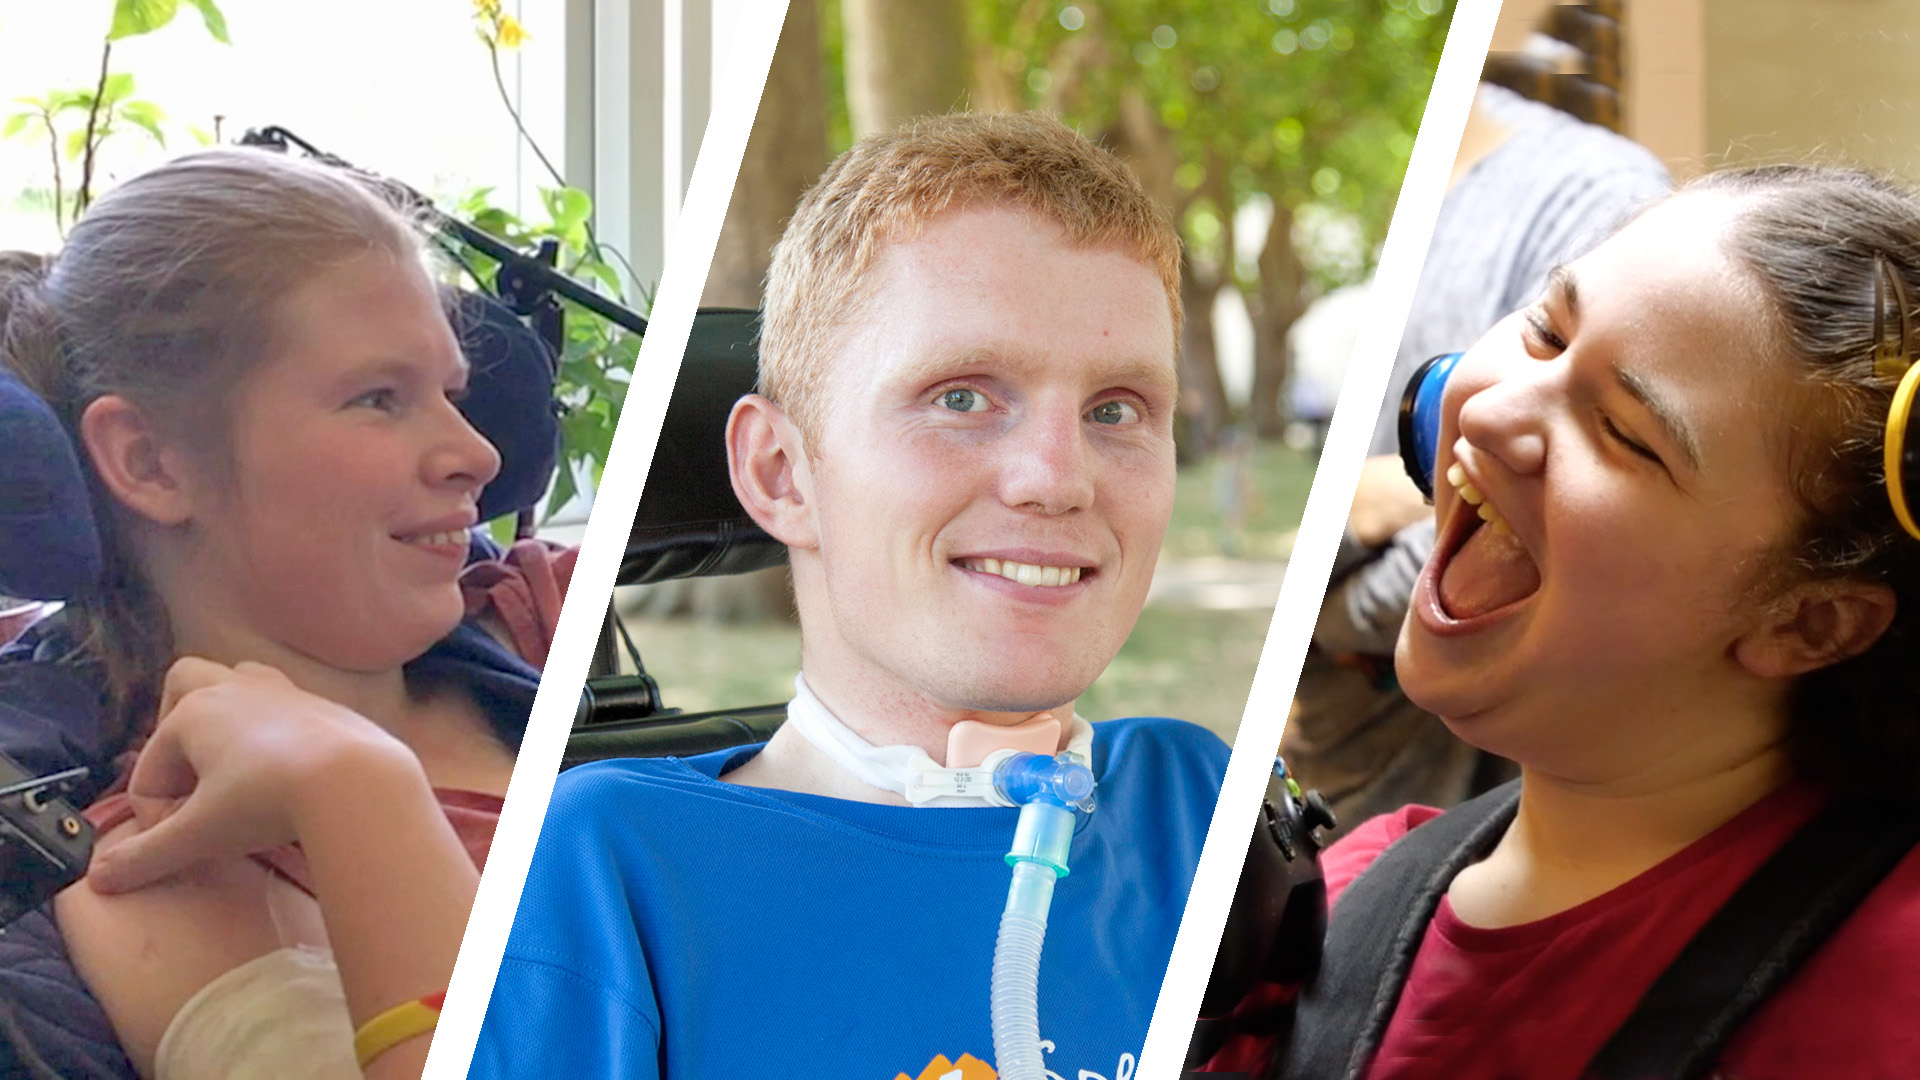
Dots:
pixel 44 842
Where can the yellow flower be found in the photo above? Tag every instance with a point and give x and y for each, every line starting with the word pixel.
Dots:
pixel 512 34
pixel 488 8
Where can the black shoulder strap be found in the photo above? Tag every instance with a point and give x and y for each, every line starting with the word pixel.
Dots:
pixel 1754 943
pixel 1343 1013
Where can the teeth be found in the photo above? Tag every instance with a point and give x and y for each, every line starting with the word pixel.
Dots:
pixel 1457 476
pixel 437 539
pixel 1026 573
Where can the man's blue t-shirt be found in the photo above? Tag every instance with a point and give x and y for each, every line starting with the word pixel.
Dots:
pixel 674 925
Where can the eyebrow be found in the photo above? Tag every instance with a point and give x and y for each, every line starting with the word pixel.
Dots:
pixel 1562 277
pixel 1664 413
pixel 393 367
pixel 1118 371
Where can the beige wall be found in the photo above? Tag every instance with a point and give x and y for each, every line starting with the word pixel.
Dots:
pixel 1713 82
pixel 1666 98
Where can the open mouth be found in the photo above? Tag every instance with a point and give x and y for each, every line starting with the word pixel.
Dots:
pixel 1046 577
pixel 1484 567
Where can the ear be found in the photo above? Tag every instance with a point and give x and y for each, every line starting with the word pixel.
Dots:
pixel 768 465
pixel 133 462
pixel 1815 625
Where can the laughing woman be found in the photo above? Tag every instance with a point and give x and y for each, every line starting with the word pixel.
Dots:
pixel 263 380
pixel 1673 584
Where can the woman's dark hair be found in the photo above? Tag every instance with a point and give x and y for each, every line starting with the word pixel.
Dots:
pixel 166 293
pixel 1815 238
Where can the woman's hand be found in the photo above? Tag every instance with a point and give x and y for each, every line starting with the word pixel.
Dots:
pixel 241 761
pixel 239 755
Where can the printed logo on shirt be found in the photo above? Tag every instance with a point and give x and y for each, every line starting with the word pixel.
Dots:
pixel 968 1067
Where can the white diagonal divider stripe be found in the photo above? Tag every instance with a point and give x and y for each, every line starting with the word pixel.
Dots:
pixel 1312 562
pixel 689 254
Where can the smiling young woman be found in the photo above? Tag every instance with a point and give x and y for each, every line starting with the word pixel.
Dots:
pixel 263 381
pixel 1670 583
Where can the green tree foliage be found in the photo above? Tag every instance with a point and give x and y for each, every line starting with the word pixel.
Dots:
pixel 1310 102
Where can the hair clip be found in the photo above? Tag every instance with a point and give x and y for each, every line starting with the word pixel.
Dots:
pixel 1891 336
pixel 1893 358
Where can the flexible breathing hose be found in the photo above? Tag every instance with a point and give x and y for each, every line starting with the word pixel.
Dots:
pixel 1046 789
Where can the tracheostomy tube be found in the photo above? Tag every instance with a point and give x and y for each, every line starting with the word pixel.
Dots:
pixel 1047 790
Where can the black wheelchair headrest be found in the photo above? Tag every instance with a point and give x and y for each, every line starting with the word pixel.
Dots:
pixel 689 523
pixel 509 400
pixel 49 549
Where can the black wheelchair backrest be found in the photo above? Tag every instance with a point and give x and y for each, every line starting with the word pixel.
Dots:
pixel 689 523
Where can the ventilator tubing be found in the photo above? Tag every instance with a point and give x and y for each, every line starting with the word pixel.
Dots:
pixel 1046 788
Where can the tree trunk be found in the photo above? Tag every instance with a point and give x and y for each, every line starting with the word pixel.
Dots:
pixel 1203 397
pixel 904 58
pixel 1147 147
pixel 1274 308
pixel 786 152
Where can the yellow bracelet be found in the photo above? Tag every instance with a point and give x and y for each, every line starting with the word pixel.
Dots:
pixel 397 1025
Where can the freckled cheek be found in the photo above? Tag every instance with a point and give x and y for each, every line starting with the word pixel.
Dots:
pixel 1137 486
pixel 897 510
pixel 932 475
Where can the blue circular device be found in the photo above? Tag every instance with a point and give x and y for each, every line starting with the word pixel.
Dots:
pixel 1420 419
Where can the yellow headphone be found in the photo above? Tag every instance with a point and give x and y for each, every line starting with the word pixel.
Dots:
pixel 1892 358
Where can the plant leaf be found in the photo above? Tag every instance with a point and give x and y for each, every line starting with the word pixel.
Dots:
pixel 118 86
pixel 146 116
pixel 76 143
pixel 502 529
pixel 16 124
pixel 475 201
pixel 496 221
pixel 216 22
pixel 568 207
pixel 563 489
pixel 607 276
pixel 138 111
pixel 132 18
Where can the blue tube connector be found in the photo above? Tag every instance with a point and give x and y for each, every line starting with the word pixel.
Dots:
pixel 1047 789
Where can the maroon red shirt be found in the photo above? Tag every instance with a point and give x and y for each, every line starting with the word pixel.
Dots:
pixel 1537 1001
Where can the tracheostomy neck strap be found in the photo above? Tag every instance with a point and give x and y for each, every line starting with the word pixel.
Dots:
pixel 908 771
pixel 1047 787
